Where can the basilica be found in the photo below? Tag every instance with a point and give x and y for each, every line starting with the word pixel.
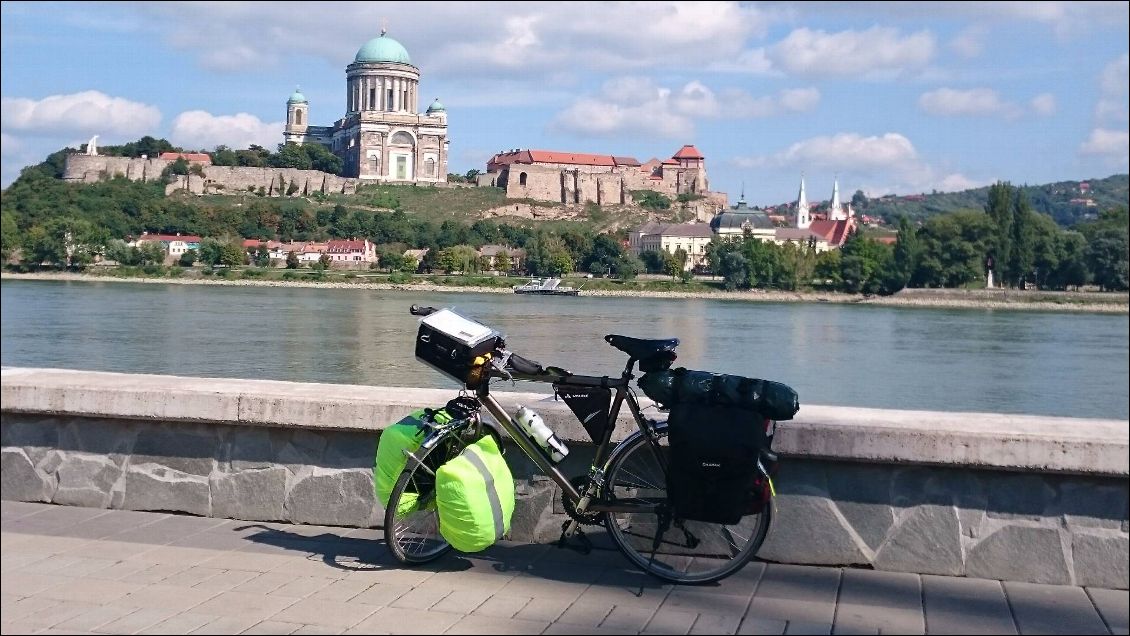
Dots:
pixel 382 137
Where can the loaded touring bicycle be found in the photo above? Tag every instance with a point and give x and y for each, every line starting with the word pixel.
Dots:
pixel 686 500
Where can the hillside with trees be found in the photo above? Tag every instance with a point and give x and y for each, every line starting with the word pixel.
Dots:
pixel 1067 202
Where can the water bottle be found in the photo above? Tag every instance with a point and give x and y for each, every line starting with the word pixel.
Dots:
pixel 536 429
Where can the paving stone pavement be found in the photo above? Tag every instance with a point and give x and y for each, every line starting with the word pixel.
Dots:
pixel 68 570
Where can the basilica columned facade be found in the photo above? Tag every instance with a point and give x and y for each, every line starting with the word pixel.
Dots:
pixel 382 136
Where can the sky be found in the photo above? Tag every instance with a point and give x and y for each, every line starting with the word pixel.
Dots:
pixel 888 97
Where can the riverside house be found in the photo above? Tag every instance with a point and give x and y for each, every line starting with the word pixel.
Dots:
pixel 173 244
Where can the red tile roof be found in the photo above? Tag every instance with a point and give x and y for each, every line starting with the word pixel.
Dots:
pixel 625 161
pixel 168 238
pixel 575 158
pixel 344 247
pixel 670 162
pixel 688 152
pixel 191 157
pixel 834 231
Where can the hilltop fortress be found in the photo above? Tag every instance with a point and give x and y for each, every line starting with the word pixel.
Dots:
pixel 566 177
pixel 383 139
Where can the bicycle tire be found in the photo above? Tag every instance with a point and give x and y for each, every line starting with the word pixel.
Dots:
pixel 412 534
pixel 632 466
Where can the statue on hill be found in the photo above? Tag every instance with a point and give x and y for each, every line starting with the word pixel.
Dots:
pixel 92 147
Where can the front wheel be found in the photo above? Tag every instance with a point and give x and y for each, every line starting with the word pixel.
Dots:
pixel 411 518
pixel 675 550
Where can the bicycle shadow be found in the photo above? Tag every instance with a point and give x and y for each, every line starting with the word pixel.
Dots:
pixel 365 550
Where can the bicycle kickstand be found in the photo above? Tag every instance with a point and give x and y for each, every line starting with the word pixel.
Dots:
pixel 585 546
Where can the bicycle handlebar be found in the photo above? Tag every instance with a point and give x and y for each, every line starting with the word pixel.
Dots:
pixel 417 310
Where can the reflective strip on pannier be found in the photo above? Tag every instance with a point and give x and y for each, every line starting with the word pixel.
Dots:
pixel 475 497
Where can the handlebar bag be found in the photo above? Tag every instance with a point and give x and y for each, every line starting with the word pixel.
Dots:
pixel 475 497
pixel 774 400
pixel 451 343
pixel 397 439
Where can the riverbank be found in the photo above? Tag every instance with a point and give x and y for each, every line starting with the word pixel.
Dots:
pixel 1082 302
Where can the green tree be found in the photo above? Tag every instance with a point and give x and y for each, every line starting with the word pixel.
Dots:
pixel 651 200
pixel 121 253
pixel 471 175
pixel 262 256
pixel 1022 253
pixel 211 252
pixel 828 269
pixel 179 167
pixel 627 267
pixel 1001 212
pixel 502 262
pixel 734 269
pixel 188 259
pixel 64 242
pixel 458 258
pixel 905 256
pixel 291 155
pixel 150 253
pixel 292 260
pixel 224 156
pixel 1107 255
pixel 653 261
pixel 322 159
pixel 9 234
pixel 674 265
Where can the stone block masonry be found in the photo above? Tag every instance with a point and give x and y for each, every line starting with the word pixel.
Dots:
pixel 1009 497
pixel 272 182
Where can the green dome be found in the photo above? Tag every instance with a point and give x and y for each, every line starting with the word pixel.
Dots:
pixel 383 49
pixel 296 97
pixel 436 107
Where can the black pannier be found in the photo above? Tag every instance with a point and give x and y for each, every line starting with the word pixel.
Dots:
pixel 451 344
pixel 774 400
pixel 590 405
pixel 713 474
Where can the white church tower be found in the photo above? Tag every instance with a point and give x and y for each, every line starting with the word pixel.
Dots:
pixel 803 214
pixel 836 211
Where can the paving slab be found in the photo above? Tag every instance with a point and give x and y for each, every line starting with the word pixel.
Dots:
pixel 965 606
pixel 888 601
pixel 221 577
pixel 1053 609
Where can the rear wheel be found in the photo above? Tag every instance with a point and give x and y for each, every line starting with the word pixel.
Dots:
pixel 672 549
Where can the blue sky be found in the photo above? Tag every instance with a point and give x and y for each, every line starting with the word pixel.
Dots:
pixel 890 97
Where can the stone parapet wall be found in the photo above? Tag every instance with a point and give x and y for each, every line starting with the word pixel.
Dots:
pixel 216 179
pixel 998 496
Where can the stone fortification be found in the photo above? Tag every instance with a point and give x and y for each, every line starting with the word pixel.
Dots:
pixel 1011 497
pixel 215 180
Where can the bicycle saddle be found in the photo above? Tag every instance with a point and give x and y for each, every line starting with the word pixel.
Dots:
pixel 639 348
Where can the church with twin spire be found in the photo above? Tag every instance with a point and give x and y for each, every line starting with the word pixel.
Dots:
pixel 382 137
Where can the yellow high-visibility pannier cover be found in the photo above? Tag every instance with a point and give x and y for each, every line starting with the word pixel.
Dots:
pixel 475 497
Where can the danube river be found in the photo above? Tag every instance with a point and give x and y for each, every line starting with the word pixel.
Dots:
pixel 852 355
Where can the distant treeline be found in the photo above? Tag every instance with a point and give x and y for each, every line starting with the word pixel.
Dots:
pixel 43 215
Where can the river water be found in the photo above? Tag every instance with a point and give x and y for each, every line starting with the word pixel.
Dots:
pixel 851 355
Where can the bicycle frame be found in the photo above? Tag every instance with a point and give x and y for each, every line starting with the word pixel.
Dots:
pixel 602 456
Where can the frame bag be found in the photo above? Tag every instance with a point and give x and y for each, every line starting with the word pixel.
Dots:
pixel 590 404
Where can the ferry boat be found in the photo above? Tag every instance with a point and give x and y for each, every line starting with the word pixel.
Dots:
pixel 545 287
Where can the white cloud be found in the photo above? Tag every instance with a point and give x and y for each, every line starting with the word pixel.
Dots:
pixel 88 112
pixel 848 150
pixel 1114 86
pixel 1112 144
pixel 878 51
pixel 889 159
pixel 639 106
pixel 970 42
pixel 949 102
pixel 202 130
pixel 1044 104
pixel 9 145
pixel 497 39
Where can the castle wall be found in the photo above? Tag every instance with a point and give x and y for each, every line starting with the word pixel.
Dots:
pixel 216 180
pixel 542 184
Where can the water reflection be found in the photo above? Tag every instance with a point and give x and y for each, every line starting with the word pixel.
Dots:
pixel 1057 364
